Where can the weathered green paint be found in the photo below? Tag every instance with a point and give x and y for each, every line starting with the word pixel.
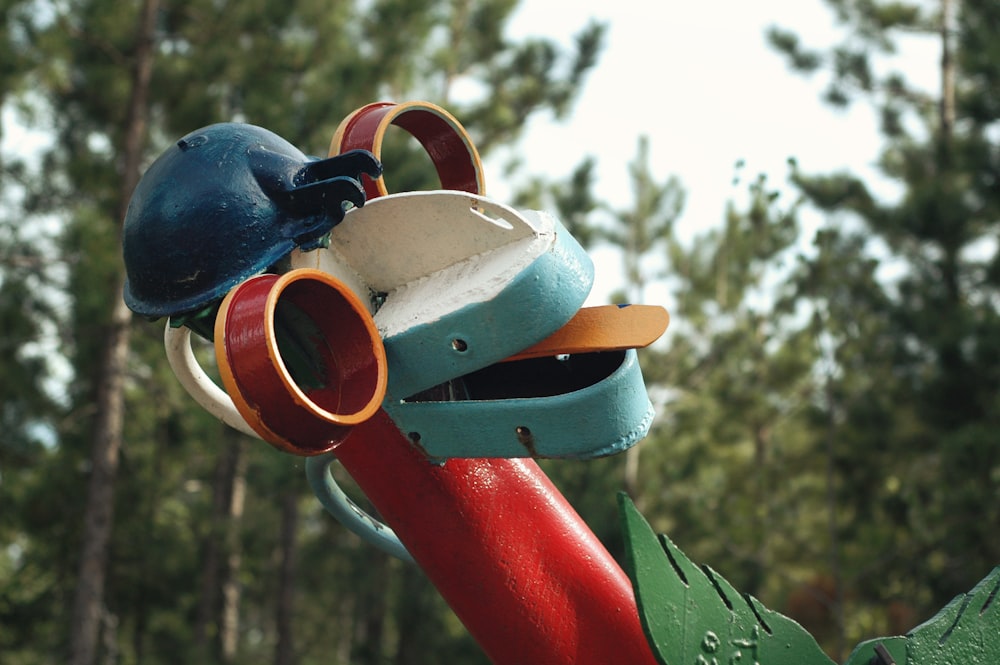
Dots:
pixel 692 616
pixel 965 632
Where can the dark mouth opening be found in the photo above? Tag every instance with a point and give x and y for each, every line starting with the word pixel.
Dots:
pixel 534 377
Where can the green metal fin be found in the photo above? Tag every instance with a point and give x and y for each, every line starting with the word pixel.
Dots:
pixel 692 616
pixel 966 630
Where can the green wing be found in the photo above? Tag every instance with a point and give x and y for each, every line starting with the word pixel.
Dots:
pixel 692 616
pixel 965 632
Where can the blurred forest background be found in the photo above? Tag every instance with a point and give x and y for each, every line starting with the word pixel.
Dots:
pixel 829 410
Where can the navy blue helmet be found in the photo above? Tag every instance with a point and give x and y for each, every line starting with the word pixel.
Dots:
pixel 223 204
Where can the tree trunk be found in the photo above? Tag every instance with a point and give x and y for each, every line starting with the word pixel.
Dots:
pixel 140 609
pixel 412 610
pixel 760 566
pixel 369 638
pixel 214 546
pixel 229 613
pixel 88 602
pixel 836 573
pixel 284 653
pixel 947 101
pixel 229 620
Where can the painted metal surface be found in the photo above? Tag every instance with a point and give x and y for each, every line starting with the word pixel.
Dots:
pixel 966 631
pixel 493 535
pixel 197 383
pixel 463 282
pixel 691 614
pixel 449 285
pixel 523 409
pixel 602 328
pixel 337 503
pixel 223 204
pixel 502 283
pixel 523 572
pixel 301 358
pixel 452 152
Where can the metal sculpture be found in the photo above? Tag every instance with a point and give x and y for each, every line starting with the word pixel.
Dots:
pixel 433 343
pixel 691 614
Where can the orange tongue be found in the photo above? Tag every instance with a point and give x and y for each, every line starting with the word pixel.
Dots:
pixel 604 328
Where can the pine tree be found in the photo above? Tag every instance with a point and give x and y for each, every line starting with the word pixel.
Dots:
pixel 905 288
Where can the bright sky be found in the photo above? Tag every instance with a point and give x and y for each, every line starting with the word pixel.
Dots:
pixel 699 79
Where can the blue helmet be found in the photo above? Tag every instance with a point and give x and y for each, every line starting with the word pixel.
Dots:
pixel 223 204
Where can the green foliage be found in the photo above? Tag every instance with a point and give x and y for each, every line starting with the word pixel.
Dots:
pixel 822 439
pixel 571 200
pixel 732 442
pixel 903 306
pixel 787 43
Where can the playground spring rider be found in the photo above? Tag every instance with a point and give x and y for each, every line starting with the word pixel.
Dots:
pixel 433 343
